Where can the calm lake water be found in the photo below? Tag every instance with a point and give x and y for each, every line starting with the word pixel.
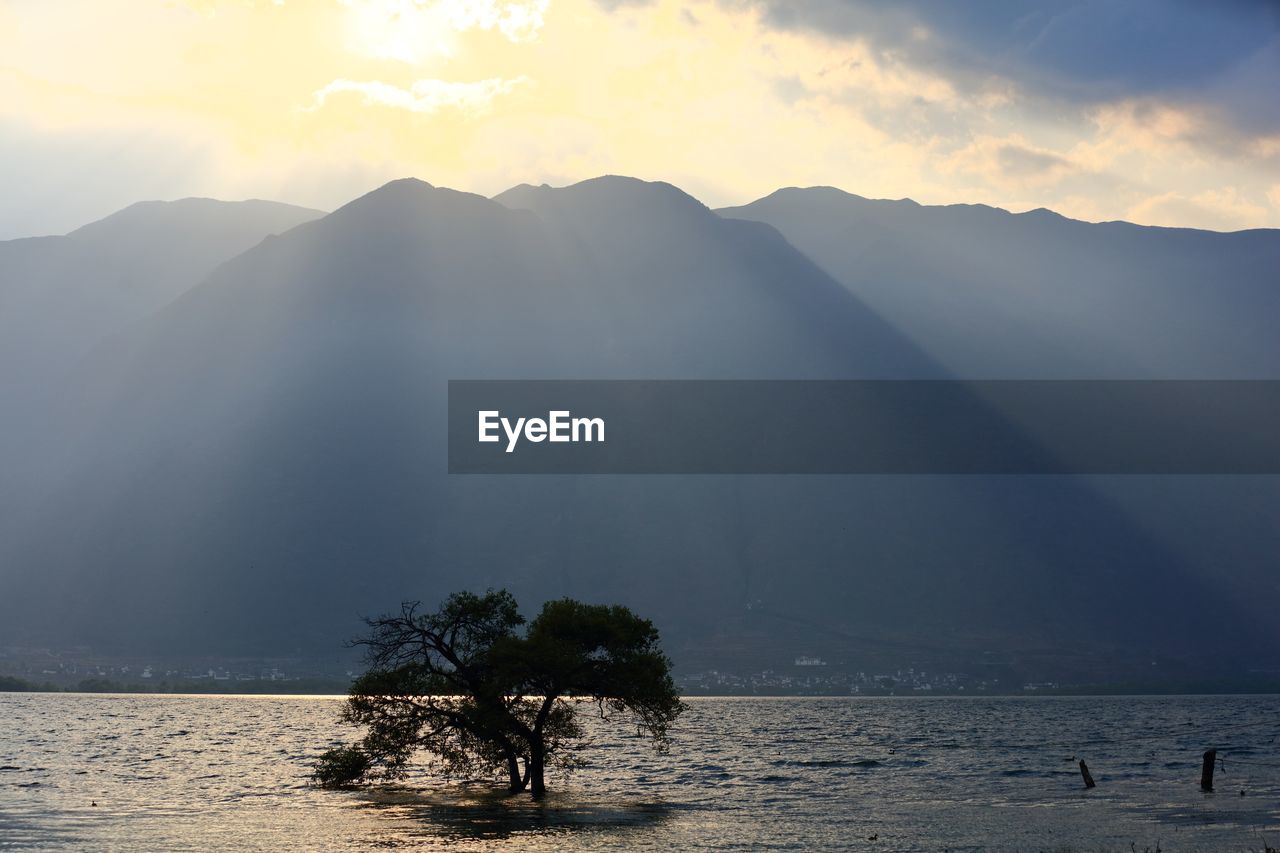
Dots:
pixel 187 772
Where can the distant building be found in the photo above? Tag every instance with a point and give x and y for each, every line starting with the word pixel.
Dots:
pixel 805 660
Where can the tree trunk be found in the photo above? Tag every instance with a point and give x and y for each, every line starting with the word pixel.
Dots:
pixel 537 761
pixel 538 748
pixel 513 773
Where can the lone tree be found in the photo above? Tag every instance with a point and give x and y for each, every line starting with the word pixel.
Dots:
pixel 477 690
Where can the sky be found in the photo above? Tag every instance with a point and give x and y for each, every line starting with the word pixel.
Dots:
pixel 1155 111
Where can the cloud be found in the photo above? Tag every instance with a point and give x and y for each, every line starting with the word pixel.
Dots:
pixel 423 96
pixel 1021 161
pixel 162 102
pixel 1226 210
pixel 410 30
pixel 1224 56
pixel 1009 161
pixel 1124 46
pixel 210 8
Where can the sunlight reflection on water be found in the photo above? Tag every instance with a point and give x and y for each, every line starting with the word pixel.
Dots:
pixel 186 772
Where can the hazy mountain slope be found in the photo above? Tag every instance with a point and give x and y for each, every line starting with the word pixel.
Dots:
pixel 59 296
pixel 274 434
pixel 629 237
pixel 62 296
pixel 994 294
pixel 263 460
pixel 1036 295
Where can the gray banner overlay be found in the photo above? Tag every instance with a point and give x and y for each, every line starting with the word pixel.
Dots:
pixel 864 427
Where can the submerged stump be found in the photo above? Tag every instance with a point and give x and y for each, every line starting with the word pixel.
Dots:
pixel 1084 774
pixel 1206 770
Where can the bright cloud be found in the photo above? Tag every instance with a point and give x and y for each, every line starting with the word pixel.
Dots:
pixel 1226 209
pixel 423 96
pixel 315 101
pixel 410 30
pixel 1010 162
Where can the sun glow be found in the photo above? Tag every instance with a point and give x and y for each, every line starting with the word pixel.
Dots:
pixel 398 30
pixel 316 101
pixel 411 31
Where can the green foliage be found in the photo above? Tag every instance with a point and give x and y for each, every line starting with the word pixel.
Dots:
pixel 341 768
pixel 607 654
pixel 467 688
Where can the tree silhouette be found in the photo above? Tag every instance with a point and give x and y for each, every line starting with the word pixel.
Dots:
pixel 477 691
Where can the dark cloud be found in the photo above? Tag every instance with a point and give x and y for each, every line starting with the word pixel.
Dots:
pixel 1122 46
pixel 1223 56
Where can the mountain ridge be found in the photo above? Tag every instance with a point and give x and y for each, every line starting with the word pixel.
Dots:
pixel 259 461
pixel 995 294
pixel 783 192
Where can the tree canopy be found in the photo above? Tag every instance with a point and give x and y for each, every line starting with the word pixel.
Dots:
pixel 476 690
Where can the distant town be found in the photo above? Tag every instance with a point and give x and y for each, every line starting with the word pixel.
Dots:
pixel 812 676
pixel 44 669
pixel 26 669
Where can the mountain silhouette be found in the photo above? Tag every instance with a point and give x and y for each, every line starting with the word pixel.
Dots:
pixel 62 296
pixel 261 460
pixel 276 433
pixel 1036 295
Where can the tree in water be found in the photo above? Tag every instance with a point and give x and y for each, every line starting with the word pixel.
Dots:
pixel 479 691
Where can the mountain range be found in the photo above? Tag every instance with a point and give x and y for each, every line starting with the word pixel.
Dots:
pixel 226 429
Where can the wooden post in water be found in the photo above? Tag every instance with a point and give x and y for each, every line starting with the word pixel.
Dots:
pixel 1206 770
pixel 1084 772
